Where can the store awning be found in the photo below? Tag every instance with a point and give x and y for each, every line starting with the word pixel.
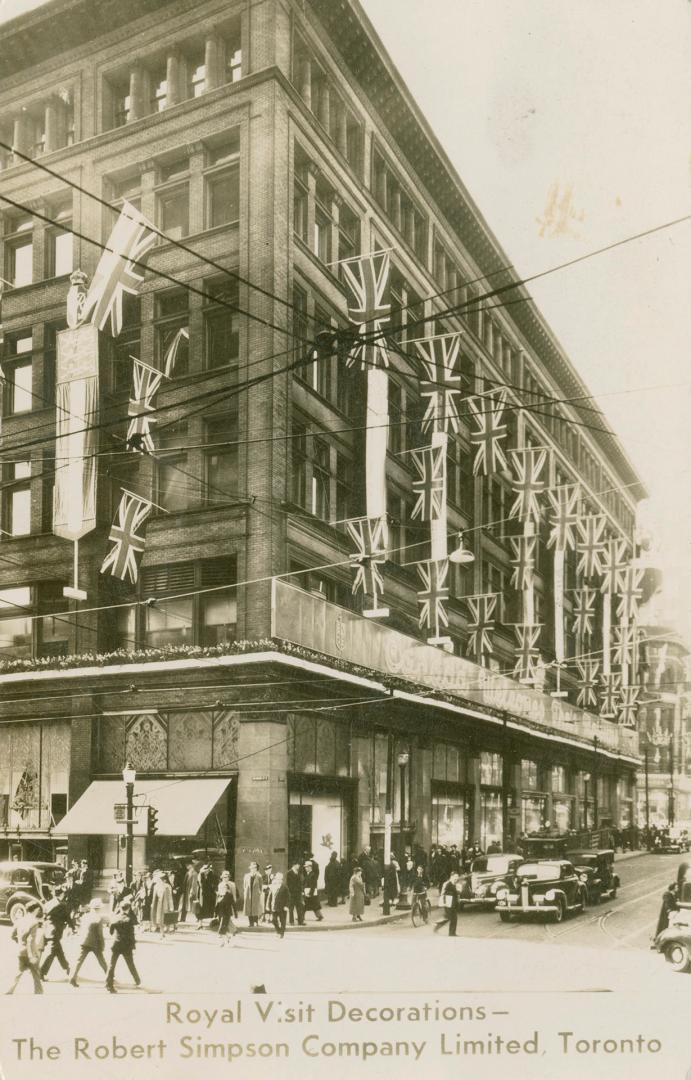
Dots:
pixel 183 806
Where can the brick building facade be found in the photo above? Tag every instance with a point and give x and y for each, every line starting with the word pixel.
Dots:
pixel 273 139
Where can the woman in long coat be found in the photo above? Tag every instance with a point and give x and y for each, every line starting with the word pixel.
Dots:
pixel 161 901
pixel 252 894
pixel 311 889
pixel 332 879
pixel 356 891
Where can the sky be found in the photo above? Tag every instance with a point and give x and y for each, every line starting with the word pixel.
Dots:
pixel 565 123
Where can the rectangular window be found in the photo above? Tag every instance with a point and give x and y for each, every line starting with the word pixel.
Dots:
pixel 126 345
pixel 344 487
pixel 221 458
pixel 223 193
pixel 299 329
pixel 52 631
pixel 20 261
pixel 299 472
pixel 221 333
pixel 490 769
pixel 529 775
pixel 171 309
pixel 16 496
pixel 322 235
pixel 218 609
pixel 18 386
pixel 321 476
pixel 348 233
pixel 174 489
pixel 173 212
pixel 15 623
pixel 59 251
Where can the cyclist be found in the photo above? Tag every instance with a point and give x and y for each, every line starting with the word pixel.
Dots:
pixel 419 887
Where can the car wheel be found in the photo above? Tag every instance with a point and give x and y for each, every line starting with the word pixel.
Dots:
pixel 17 911
pixel 558 915
pixel 677 956
pixel 580 906
pixel 505 916
pixel 614 892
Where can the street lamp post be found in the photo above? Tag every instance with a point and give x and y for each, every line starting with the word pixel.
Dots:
pixel 586 781
pixel 671 781
pixel 129 776
pixel 647 796
pixel 403 759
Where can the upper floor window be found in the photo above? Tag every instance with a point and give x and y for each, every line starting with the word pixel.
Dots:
pixel 171 309
pixel 529 775
pixel 223 182
pixel 15 622
pixel 175 489
pixel 18 373
pixel 221 457
pixel 221 333
pixel 19 251
pixel 490 769
pixel 60 244
pixel 16 498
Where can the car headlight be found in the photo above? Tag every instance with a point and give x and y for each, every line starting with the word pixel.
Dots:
pixel 583 878
pixel 502 894
pixel 550 895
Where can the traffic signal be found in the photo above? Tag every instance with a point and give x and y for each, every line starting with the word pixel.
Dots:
pixel 152 821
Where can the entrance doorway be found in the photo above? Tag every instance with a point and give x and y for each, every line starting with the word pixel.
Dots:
pixel 319 819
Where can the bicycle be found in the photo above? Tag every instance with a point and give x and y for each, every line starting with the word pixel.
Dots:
pixel 421 909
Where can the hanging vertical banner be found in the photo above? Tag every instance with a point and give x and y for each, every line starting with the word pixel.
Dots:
pixel 376 433
pixel 430 486
pixel 591 545
pixel 490 432
pixel 629 594
pixel 127 537
pixel 145 383
pixel 584 610
pixel 482 608
pixel 609 695
pixel 118 271
pixel 625 641
pixel 369 536
pixel 369 306
pixel 76 438
pixel 528 482
pixel 627 707
pixel 523 561
pixel 527 652
pixel 442 384
pixel 432 598
pixel 613 566
pixel 587 683
pixel 565 502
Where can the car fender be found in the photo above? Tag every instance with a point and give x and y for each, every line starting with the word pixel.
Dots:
pixel 23 897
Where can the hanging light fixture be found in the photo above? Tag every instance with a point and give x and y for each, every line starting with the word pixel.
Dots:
pixel 461 554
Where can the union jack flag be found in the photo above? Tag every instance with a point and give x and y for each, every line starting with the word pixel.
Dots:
pixel 369 536
pixel 527 654
pixel 146 381
pixel 613 564
pixel 609 695
pixel 430 487
pixel 584 610
pixel 127 538
pixel 591 544
pixel 564 500
pixel 442 386
pixel 482 613
pixel 625 643
pixel 587 683
pixel 117 272
pixel 491 429
pixel 528 481
pixel 627 707
pixel 629 594
pixel 367 282
pixel 523 561
pixel 433 574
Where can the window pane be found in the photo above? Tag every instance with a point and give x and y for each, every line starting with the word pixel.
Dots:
pixel 15 636
pixel 222 340
pixel 219 618
pixel 21 264
pixel 20 388
pixel 62 256
pixel 224 198
pixel 20 512
pixel 174 488
pixel 174 213
pixel 169 622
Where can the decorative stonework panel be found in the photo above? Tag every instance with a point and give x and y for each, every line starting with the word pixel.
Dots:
pixel 146 742
pixel 226 738
pixel 189 741
pixel 112 743
pixel 25 757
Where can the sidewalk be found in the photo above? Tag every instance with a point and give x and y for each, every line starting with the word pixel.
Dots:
pixel 335 918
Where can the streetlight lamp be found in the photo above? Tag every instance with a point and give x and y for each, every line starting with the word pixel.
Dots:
pixel 403 759
pixel 586 781
pixel 129 775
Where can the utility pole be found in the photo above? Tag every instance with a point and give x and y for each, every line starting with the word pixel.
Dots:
pixel 647 795
pixel 388 819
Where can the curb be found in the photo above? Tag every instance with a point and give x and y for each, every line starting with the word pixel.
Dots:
pixel 310 928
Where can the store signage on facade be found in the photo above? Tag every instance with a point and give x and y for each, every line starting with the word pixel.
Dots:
pixel 325 628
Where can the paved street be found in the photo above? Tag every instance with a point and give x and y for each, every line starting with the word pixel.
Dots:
pixel 605 948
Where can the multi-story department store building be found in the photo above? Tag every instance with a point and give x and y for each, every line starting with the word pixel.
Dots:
pixel 273 138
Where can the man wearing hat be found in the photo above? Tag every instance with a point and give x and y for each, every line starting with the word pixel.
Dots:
pixel 122 928
pixel 91 938
pixel 56 916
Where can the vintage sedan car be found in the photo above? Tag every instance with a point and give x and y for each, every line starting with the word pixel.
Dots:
pixel 25 885
pixel 671 842
pixel 550 888
pixel 596 871
pixel 488 873
pixel 675 942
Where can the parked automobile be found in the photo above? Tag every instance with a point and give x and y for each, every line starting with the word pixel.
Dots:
pixel 672 842
pixel 25 884
pixel 596 871
pixel 488 873
pixel 675 942
pixel 551 888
